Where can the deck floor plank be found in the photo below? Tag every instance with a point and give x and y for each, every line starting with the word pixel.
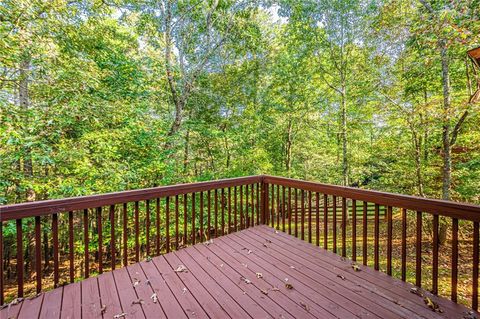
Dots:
pixel 214 286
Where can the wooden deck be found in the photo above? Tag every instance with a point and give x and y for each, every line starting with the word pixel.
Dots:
pixel 241 275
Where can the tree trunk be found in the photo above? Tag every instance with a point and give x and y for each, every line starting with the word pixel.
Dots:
pixel 288 148
pixel 344 136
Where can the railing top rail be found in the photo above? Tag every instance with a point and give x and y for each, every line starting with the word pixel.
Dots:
pixel 46 207
pixel 433 206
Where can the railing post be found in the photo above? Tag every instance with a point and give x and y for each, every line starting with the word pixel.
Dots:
pixel 264 201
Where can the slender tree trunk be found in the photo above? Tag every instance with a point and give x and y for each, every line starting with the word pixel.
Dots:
pixel 288 148
pixel 418 162
pixel 186 151
pixel 344 135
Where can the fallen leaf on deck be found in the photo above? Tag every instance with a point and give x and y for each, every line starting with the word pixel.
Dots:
pixel 209 242
pixel 148 259
pixel 275 289
pixel 416 291
pixel 470 315
pixel 120 315
pixel 305 306
pixel 136 282
pixel 147 282
pixel 276 232
pixel 432 304
pixel 292 267
pixel 263 291
pixel 184 290
pixel 249 252
pixel 245 280
pixel 259 275
pixel 154 297
pixel 221 265
pixel 356 267
pixel 103 310
pixel 269 241
pixel 244 265
pixel 138 302
pixel 181 268
pixel 288 286
pixel 341 277
pixel 265 245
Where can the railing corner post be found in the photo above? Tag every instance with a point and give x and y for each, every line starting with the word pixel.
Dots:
pixel 264 200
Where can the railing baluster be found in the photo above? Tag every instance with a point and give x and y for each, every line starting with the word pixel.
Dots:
pixel 317 220
pixel 157 224
pixel 215 212
pixel 310 217
pixel 86 243
pixel 137 233
pixel 289 211
pixel 19 257
pixel 283 209
pixel 435 255
pixel 475 266
pixel 404 244
pixel 296 212
pixel 258 203
pixel 235 221
pixel 389 240
pixel 272 209
pixel 354 230
pixel 222 202
pixel 201 217
pixel 418 251
pixel 302 226
pixel 100 240
pixel 344 227
pixel 247 218
pixel 194 231
pixel 229 221
pixel 70 248
pixel 364 231
pixel 241 207
pixel 167 223
pixel 252 221
pixel 177 235
pixel 376 243
pixel 209 213
pixel 454 258
pixel 112 236
pixel 55 249
pixel 2 297
pixel 334 229
pixel 185 230
pixel 325 221
pixel 125 234
pixel 147 226
pixel 38 251
pixel 278 206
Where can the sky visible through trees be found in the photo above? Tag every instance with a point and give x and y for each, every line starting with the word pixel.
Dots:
pixel 101 96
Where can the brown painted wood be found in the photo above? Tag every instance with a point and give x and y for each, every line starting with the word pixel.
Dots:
pixel 157 226
pixel 209 213
pixel 109 295
pixel 177 216
pixel 113 251
pixel 344 227
pixel 376 244
pixel 100 240
pixel 229 210
pixel 241 208
pixel 201 214
pixel 127 294
pixel 325 221
pixel 365 231
pixel 2 296
pixel 310 217
pixel 125 235
pixel 194 230
pixel 86 243
pixel 289 209
pixel 404 245
pixel 222 217
pixel 215 213
pixel 296 212
pixel 283 209
pixel 72 301
pixel 278 207
pixel 389 240
pixel 354 230
pixel 235 213
pixel 71 248
pixel 20 264
pixel 334 224
pixel 475 262
pixel 272 208
pixel 435 255
pixel 38 253
pixel 454 259
pixel 29 308
pixel 91 305
pixel 185 222
pixel 137 231
pixel 147 227
pixel 56 276
pixel 418 251
pixel 52 304
pixel 167 224
pixel 258 203
pixel 302 220
pixel 317 219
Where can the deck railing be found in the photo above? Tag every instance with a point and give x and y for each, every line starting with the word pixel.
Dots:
pixel 121 228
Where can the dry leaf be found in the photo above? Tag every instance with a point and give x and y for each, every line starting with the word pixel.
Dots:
pixel 265 245
pixel 276 232
pixel 288 286
pixel 265 292
pixel 138 302
pixel 184 290
pixel 181 268
pixel 432 305
pixel 416 291
pixel 136 282
pixel 249 252
pixel 120 315
pixel 275 289
pixel 305 306
pixel 148 259
pixel 469 315
pixel 154 297
pixel 221 265
pixel 259 275
pixel 209 242
pixel 356 267
pixel 245 280
pixel 103 309
pixel 269 241
pixel 244 265
pixel 341 277
pixel 292 267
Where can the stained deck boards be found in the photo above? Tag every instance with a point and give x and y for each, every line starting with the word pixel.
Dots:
pixel 222 282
